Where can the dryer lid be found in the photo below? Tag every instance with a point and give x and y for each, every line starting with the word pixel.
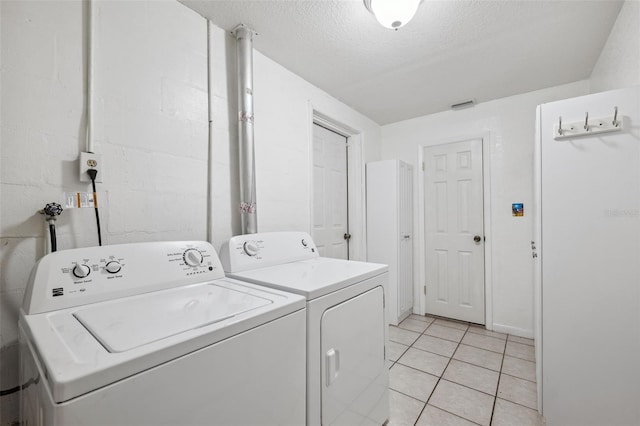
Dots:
pixel 122 325
pixel 312 278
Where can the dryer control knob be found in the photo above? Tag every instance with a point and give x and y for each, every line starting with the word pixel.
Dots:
pixel 251 248
pixel 81 271
pixel 192 257
pixel 113 267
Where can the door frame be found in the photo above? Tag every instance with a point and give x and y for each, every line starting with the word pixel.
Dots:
pixel 419 295
pixel 355 179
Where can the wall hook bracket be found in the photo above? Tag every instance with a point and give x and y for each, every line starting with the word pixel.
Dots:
pixel 588 126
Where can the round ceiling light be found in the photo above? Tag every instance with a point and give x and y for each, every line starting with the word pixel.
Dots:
pixel 393 14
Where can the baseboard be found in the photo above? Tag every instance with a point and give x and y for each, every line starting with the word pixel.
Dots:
pixel 507 329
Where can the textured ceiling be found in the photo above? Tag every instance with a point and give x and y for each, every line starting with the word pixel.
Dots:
pixel 452 51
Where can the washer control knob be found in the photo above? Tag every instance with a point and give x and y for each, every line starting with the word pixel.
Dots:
pixel 251 248
pixel 192 257
pixel 113 267
pixel 304 242
pixel 81 270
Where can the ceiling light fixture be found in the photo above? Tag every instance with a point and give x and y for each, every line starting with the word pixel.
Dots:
pixel 393 14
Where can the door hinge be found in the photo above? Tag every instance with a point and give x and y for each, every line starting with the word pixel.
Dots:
pixel 423 166
pixel 424 290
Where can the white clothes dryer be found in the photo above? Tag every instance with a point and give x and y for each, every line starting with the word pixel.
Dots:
pixel 154 334
pixel 347 378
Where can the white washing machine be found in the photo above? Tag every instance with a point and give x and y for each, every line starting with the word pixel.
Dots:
pixel 154 334
pixel 347 379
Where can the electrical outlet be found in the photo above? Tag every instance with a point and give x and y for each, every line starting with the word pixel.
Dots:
pixel 91 161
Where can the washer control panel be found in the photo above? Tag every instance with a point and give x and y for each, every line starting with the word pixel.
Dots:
pixel 80 276
pixel 252 251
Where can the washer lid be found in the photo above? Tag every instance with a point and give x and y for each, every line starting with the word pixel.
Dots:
pixel 122 325
pixel 312 278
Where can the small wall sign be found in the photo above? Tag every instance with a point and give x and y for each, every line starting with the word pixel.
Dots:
pixel 517 209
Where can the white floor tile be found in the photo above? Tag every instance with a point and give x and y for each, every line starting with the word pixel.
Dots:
pixel 507 413
pixel 462 401
pixel 412 382
pixel 480 357
pixel 520 368
pixel 422 318
pixel 484 342
pixel 433 416
pixel 424 361
pixel 519 350
pixel 472 376
pixel 403 410
pixel 395 350
pixel 522 340
pixel 453 324
pixel 400 335
pixel 413 325
pixel 436 345
pixel 481 330
pixel 520 391
pixel 447 333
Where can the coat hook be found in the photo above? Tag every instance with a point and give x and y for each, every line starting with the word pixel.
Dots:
pixel 560 126
pixel 586 121
pixel 615 117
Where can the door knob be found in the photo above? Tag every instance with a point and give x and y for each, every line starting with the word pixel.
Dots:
pixel 477 238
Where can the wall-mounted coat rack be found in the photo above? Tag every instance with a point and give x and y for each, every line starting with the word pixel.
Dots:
pixel 588 126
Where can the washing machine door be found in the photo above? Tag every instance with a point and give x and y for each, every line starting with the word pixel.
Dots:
pixel 354 374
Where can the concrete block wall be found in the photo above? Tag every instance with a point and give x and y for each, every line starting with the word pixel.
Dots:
pixel 150 118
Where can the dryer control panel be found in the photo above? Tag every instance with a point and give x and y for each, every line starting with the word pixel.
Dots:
pixel 251 251
pixel 76 277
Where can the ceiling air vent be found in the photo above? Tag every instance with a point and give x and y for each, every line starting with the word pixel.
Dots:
pixel 462 105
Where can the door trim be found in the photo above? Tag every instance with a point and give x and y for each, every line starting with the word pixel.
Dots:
pixel 419 296
pixel 355 177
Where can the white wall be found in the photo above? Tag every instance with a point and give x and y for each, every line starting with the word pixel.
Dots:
pixel 619 63
pixel 283 104
pixel 510 123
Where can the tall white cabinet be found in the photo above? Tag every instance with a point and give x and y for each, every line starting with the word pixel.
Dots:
pixel 390 231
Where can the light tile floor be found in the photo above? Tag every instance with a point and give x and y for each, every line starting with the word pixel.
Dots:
pixel 452 373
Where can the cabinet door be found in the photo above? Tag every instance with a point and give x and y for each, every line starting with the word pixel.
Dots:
pixel 354 375
pixel 405 247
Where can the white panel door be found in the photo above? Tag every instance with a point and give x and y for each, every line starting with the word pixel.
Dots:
pixel 354 374
pixel 454 231
pixel 330 215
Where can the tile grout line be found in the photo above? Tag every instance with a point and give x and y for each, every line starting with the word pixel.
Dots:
pixel 437 381
pixel 493 409
pixel 521 378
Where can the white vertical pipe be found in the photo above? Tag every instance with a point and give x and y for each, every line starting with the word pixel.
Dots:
pixel 89 71
pixel 244 50
pixel 210 119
